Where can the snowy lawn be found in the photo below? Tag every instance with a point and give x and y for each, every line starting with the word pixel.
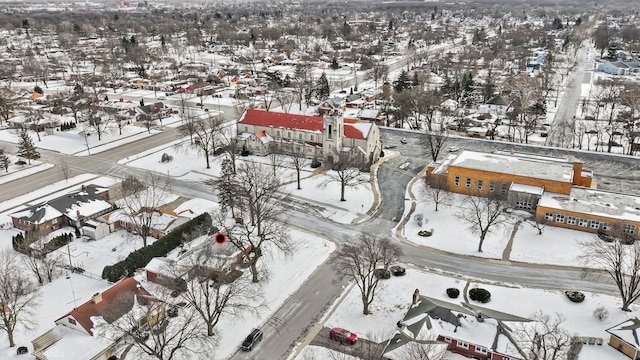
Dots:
pixel 15 172
pixel 394 298
pixel 555 246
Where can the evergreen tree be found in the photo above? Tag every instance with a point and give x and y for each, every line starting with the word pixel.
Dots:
pixel 226 185
pixel 402 83
pixel 334 64
pixel 26 149
pixel 323 87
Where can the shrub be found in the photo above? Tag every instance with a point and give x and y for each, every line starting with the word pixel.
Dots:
pixel 575 296
pixel 21 163
pixel 141 257
pixel 479 294
pixel 166 158
pixel 453 293
pixel 425 232
pixel 601 313
pixel 38 89
pixel 418 218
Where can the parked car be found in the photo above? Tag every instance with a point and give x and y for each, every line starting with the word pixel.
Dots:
pixel 390 146
pixel 398 270
pixel 403 140
pixel 453 148
pixel 252 340
pixel 343 336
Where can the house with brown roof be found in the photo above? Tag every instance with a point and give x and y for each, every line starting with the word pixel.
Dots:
pixel 75 337
pixel 262 132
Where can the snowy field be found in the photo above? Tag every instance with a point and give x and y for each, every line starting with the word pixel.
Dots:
pixel 15 172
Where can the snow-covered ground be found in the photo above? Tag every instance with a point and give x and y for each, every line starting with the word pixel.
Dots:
pixel 394 297
pixel 15 172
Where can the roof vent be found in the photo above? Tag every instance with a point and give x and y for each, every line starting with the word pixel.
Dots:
pixel 610 206
pixel 97 298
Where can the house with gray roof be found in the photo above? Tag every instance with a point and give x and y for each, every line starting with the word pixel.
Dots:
pixel 70 209
pixel 620 68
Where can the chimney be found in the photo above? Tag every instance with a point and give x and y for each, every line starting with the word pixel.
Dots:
pixel 416 297
pixel 97 298
pixel 577 171
pixel 479 317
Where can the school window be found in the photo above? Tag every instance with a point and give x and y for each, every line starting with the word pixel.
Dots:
pixel 492 185
pixel 606 226
pixel 628 228
pixel 329 132
pixel 560 218
pixel 300 136
pixel 468 183
pixel 503 188
pixel 463 344
pixel 311 137
pixel 481 350
pixel 524 204
pixel 246 128
pixel 571 220
pixel 480 184
pixel 289 134
pixel 278 133
pixel 548 216
pixel 583 222
pixel 456 181
pixel 594 224
pixel 71 321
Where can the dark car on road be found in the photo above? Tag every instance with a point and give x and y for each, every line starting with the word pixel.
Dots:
pixel 343 336
pixel 252 340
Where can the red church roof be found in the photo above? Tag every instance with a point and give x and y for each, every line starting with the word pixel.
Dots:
pixel 281 120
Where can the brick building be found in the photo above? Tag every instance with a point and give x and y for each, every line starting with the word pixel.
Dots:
pixel 557 191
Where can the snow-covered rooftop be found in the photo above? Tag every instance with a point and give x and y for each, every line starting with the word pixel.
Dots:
pixel 595 202
pixel 73 344
pixel 516 164
pixel 527 189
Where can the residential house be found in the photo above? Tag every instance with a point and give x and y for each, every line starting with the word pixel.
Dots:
pixel 71 209
pixel 620 68
pixel 331 106
pixel 77 334
pixel 497 105
pixel 468 330
pixel 161 223
pixel 156 111
pixel 624 338
pixel 322 136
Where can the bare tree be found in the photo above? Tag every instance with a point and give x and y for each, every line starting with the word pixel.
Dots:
pixel 482 215
pixel 435 141
pixel 437 190
pixel 259 222
pixel 64 168
pixel 359 259
pixel 346 172
pixel 423 350
pixel 298 158
pixel 149 330
pixel 208 131
pixel 98 122
pixel 546 339
pixel 140 202
pixel 214 292
pixel 18 296
pixel 45 269
pixel 621 262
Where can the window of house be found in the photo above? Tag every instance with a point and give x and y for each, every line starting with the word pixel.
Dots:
pixel 468 185
pixel 480 184
pixel 71 321
pixel 571 220
pixel 481 349
pixel 463 344
pixel 492 185
pixel 606 226
pixel 447 339
pixel 548 216
pixel 456 181
pixel 54 221
pixel 583 222
pixel 559 218
pixel 595 224
pixel 628 228
pixel 503 188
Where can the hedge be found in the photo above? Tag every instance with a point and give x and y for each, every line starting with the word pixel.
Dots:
pixel 162 247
